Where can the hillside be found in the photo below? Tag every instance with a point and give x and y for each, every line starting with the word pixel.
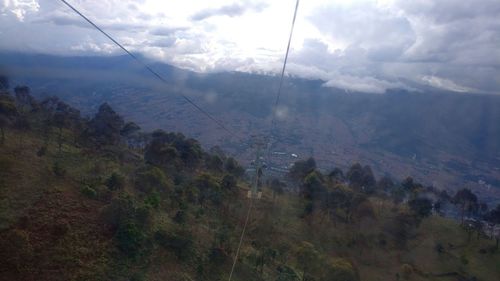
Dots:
pixel 448 140
pixel 81 201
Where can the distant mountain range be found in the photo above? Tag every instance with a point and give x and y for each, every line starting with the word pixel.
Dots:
pixel 447 139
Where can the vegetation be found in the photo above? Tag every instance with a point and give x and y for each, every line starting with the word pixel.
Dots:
pixel 78 202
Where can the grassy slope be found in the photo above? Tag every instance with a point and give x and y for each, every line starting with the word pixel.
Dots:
pixel 68 240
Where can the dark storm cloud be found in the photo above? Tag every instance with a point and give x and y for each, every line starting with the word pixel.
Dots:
pixel 232 10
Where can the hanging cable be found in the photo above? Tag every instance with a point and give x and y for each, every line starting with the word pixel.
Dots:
pixel 187 99
pixel 241 239
pixel 276 103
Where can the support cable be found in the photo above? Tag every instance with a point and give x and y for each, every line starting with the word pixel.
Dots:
pixel 276 103
pixel 156 74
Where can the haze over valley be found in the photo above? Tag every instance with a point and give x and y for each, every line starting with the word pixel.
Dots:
pixel 445 139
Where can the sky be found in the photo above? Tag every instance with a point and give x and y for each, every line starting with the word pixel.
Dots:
pixel 357 45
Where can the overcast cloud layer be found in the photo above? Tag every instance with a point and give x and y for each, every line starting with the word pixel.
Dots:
pixel 366 46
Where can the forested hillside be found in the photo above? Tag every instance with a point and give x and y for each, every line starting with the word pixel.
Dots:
pixel 446 139
pixel 100 199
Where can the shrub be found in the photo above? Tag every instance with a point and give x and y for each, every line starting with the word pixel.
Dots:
pixel 464 260
pixel 406 271
pixel 89 192
pixel 181 243
pixel 218 256
pixel 119 212
pixel 342 270
pixel 143 214
pixel 5 170
pixel 115 181
pixel 42 151
pixel 153 200
pixel 228 182
pixel 180 217
pixel 286 273
pixel 58 169
pixel 103 193
pixel 130 239
pixel 439 247
pixel 151 179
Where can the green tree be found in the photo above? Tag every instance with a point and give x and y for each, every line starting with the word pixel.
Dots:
pixel 150 178
pixel 8 112
pixel 233 167
pixel 385 184
pixel 4 83
pixel 130 239
pixel 129 129
pixel 286 273
pixel 336 175
pixel 341 270
pixel 313 186
pixel 493 217
pixel 215 163
pixel 180 242
pixel 421 207
pixel 277 187
pixel 115 181
pixel 22 124
pixel 301 169
pixel 361 178
pixel 209 189
pixel 466 199
pixel 229 182
pixel 307 258
pixel 105 127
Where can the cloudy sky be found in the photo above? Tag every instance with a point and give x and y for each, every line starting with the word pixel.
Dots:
pixel 357 45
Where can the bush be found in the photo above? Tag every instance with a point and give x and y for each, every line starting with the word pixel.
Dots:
pixel 5 170
pixel 180 217
pixel 439 247
pixel 115 181
pixel 464 260
pixel 151 179
pixel 42 151
pixel 130 239
pixel 406 271
pixel 218 256
pixel 103 193
pixel 58 169
pixel 228 182
pixel 181 243
pixel 119 212
pixel 89 192
pixel 143 215
pixel 342 270
pixel 286 273
pixel 153 200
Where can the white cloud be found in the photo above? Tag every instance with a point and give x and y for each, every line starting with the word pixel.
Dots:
pixel 359 45
pixel 446 84
pixel 19 8
pixel 361 84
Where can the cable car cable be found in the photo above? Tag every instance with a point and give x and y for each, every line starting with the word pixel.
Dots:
pixel 187 99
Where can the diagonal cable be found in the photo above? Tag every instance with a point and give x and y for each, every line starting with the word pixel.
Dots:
pixel 187 99
pixel 268 144
pixel 276 102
